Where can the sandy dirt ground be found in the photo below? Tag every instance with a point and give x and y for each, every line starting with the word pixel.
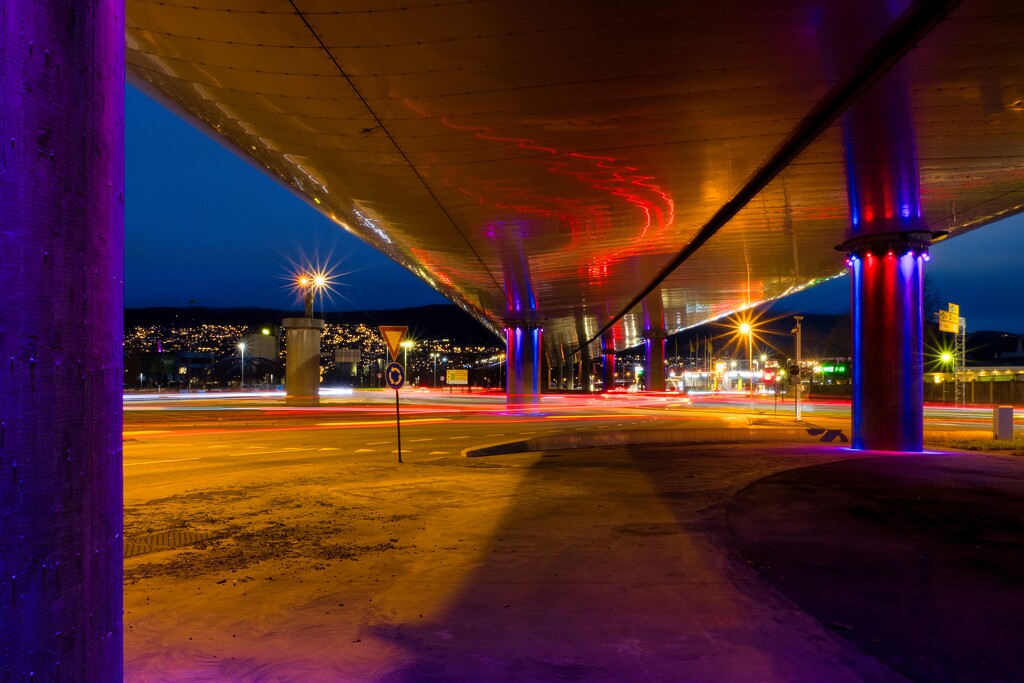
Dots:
pixel 594 565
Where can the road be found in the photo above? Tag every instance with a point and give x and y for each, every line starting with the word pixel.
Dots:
pixel 183 440
pixel 192 438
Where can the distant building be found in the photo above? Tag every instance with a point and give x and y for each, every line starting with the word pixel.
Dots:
pixel 261 346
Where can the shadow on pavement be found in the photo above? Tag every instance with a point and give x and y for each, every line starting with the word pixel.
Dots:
pixel 916 559
pixel 615 565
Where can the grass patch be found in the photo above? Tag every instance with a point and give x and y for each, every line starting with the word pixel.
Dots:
pixel 982 444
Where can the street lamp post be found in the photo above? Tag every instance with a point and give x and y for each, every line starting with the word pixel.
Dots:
pixel 798 318
pixel 947 358
pixel 433 356
pixel 746 329
pixel 406 345
pixel 191 347
pixel 241 347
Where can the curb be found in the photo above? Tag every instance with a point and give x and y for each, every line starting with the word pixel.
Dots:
pixel 560 442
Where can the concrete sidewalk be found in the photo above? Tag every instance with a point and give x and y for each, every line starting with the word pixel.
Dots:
pixel 738 562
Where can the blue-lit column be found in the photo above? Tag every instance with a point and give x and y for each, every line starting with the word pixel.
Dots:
pixel 586 366
pixel 887 248
pixel 608 351
pixel 888 371
pixel 654 359
pixel 523 341
pixel 61 327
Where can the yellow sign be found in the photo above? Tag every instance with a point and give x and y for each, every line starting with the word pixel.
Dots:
pixel 393 335
pixel 948 322
pixel 955 310
pixel 458 377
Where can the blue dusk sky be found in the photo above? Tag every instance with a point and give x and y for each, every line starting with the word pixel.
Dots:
pixel 203 223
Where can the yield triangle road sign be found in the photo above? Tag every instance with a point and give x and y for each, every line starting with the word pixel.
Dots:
pixel 393 335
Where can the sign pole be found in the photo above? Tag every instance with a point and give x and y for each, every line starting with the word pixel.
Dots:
pixel 394 374
pixel 398 427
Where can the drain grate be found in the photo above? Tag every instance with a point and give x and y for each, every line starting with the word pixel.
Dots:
pixel 164 540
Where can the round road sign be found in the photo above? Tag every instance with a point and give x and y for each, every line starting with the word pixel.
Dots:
pixel 394 374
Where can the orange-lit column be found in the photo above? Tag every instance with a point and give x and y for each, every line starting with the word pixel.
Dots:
pixel 302 361
pixel 523 356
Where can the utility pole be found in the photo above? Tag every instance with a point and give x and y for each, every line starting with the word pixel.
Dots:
pixel 190 348
pixel 960 360
pixel 798 318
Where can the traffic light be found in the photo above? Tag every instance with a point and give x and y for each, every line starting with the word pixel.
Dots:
pixel 794 370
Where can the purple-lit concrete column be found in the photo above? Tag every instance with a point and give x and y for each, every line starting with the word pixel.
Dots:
pixel 61 265
pixel 654 360
pixel 523 355
pixel 302 361
pixel 888 370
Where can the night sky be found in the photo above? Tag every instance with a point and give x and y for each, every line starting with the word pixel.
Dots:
pixel 203 223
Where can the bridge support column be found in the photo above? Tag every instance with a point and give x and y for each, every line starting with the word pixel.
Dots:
pixel 61 331
pixel 586 366
pixel 302 361
pixel 523 342
pixel 654 359
pixel 608 352
pixel 888 371
pixel 887 246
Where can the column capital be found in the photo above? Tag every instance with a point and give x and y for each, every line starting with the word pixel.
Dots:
pixel 302 323
pixel 530 323
pixel 914 241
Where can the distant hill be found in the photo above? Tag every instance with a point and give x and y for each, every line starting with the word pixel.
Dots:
pixel 439 321
pixel 824 335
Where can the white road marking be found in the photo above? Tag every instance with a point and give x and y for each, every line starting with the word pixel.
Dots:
pixel 154 462
pixel 371 423
pixel 283 450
